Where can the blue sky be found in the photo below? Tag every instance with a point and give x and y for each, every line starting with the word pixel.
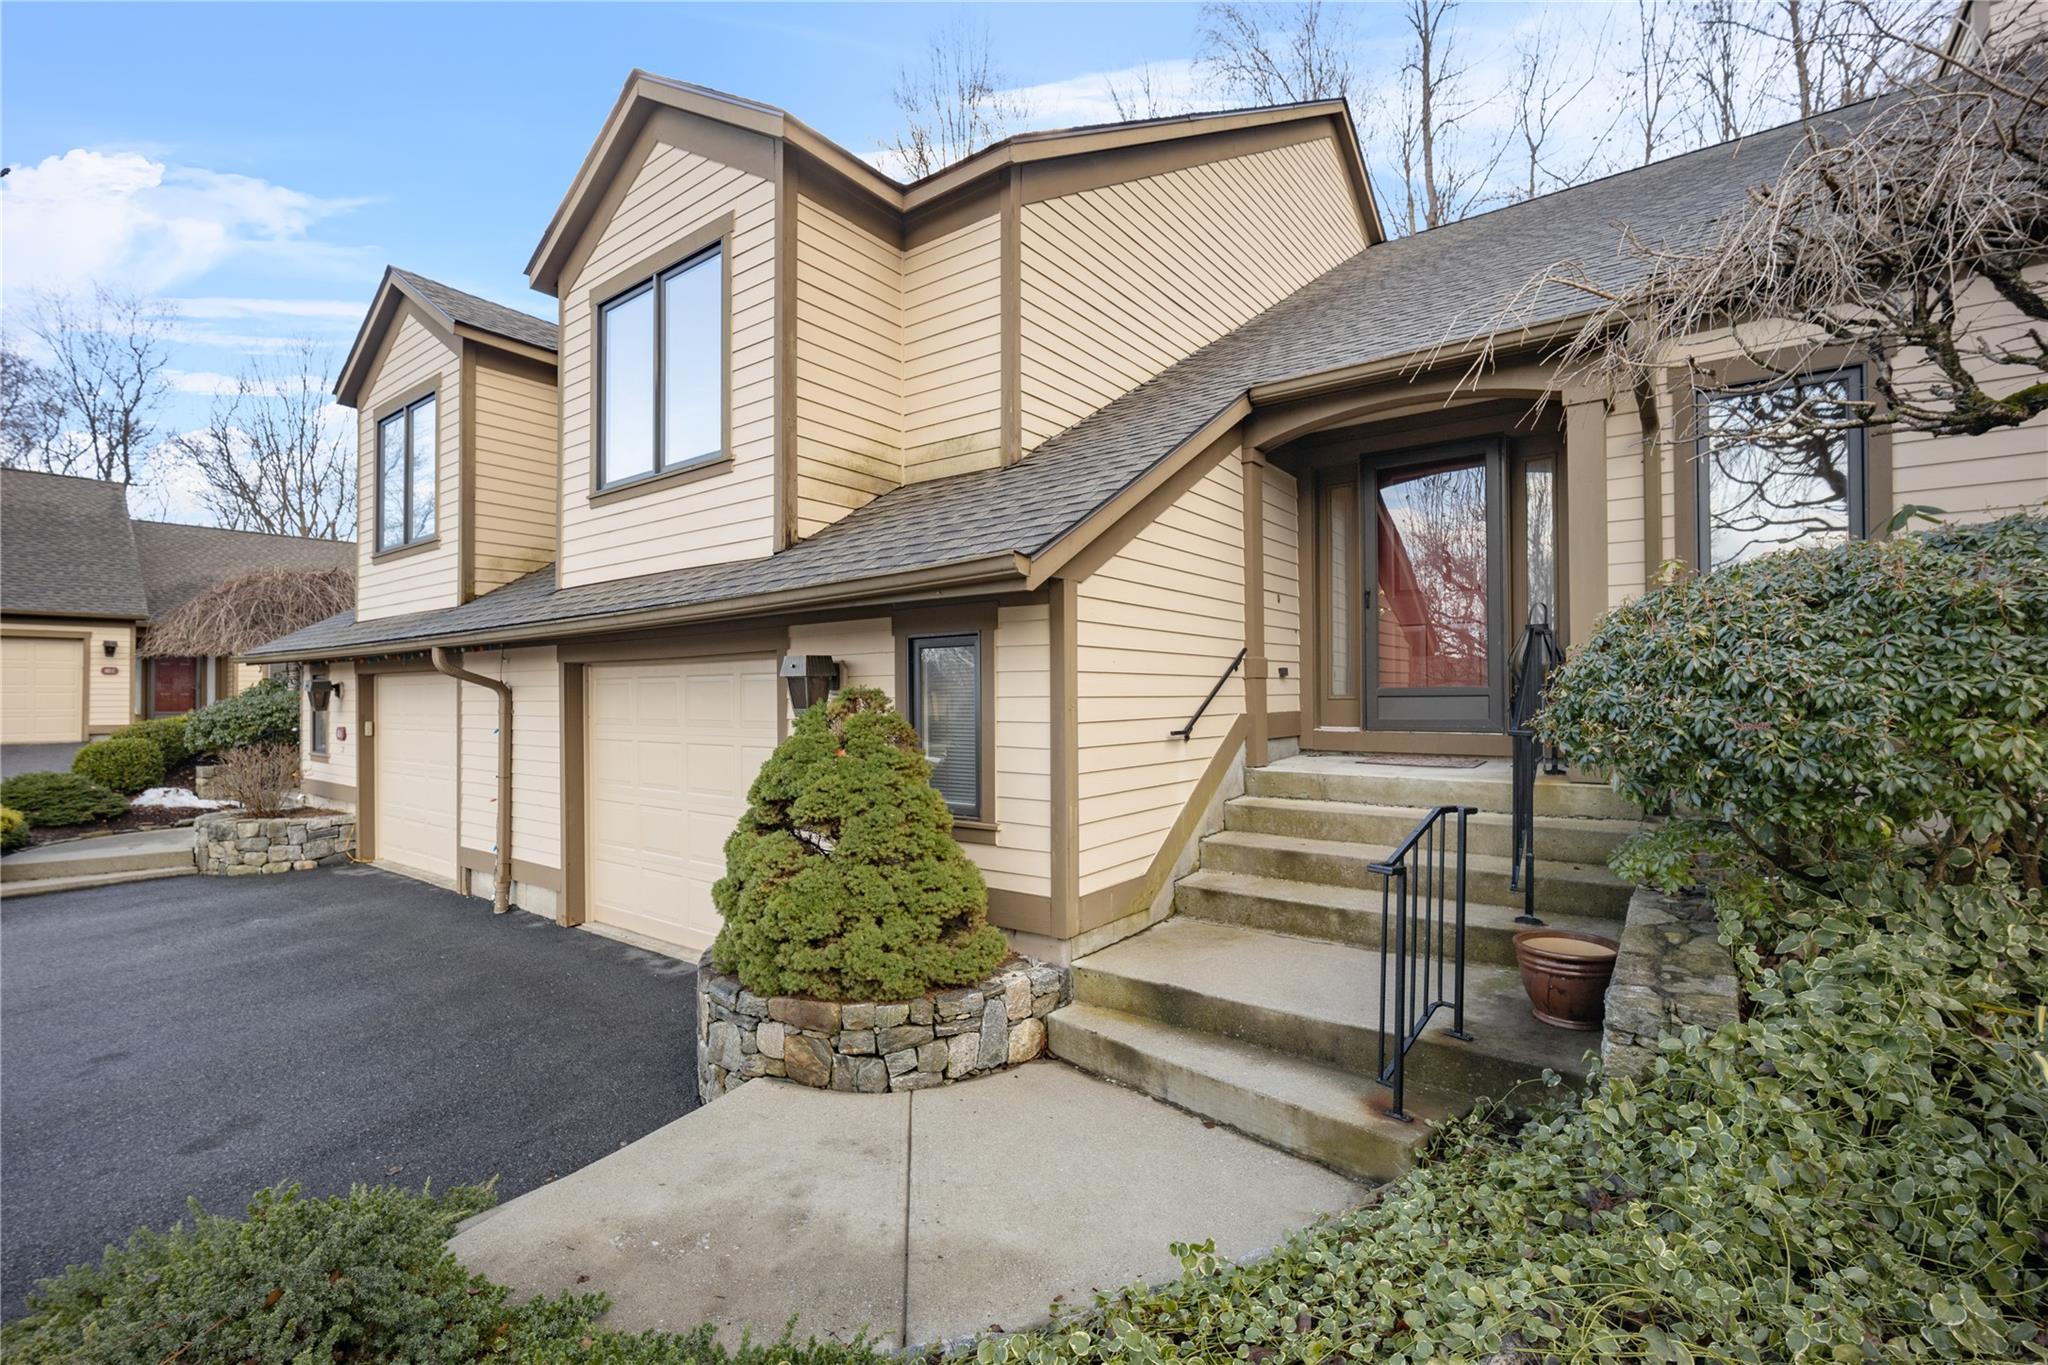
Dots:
pixel 261 163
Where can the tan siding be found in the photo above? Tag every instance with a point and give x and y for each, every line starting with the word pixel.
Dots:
pixel 110 698
pixel 244 676
pixel 516 470
pixel 414 354
pixel 340 764
pixel 1283 592
pixel 729 515
pixel 536 754
pixel 952 352
pixel 1627 569
pixel 1155 627
pixel 1120 282
pixel 866 650
pixel 849 366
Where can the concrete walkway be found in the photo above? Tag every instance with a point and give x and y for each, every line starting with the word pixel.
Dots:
pixel 103 860
pixel 922 1217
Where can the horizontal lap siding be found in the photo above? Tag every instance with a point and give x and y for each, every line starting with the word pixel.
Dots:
pixel 1120 282
pixel 340 764
pixel 516 471
pixel 849 366
pixel 1155 627
pixel 952 353
pixel 414 354
pixel 865 649
pixel 1283 592
pixel 729 515
pixel 535 680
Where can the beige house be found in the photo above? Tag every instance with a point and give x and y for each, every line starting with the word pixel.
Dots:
pixel 1126 458
pixel 80 583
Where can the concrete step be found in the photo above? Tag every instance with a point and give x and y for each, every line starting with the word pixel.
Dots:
pixel 1561 888
pixel 1561 838
pixel 1320 1001
pixel 151 850
pixel 1332 777
pixel 1312 1110
pixel 43 886
pixel 1346 914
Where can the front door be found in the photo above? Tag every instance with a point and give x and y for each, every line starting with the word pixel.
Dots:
pixel 173 687
pixel 1434 541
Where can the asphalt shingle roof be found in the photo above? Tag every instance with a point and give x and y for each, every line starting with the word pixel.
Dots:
pixel 65 547
pixel 180 562
pixel 1388 300
pixel 468 309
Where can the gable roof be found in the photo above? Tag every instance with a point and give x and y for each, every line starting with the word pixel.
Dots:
pixel 1390 301
pixel 179 562
pixel 455 313
pixel 65 549
pixel 646 93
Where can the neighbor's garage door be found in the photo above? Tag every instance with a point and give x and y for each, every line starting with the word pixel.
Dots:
pixel 42 690
pixel 415 757
pixel 672 750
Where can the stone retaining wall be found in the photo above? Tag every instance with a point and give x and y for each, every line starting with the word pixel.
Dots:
pixel 872 1048
pixel 1672 971
pixel 233 846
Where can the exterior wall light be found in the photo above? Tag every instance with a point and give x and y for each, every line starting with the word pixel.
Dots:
pixel 811 678
pixel 110 647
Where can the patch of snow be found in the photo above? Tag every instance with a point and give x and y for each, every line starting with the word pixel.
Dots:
pixel 176 798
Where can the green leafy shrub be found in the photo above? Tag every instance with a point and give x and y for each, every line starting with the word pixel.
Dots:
pixel 125 765
pixel 52 799
pixel 13 830
pixel 266 713
pixel 1874 699
pixel 843 880
pixel 166 732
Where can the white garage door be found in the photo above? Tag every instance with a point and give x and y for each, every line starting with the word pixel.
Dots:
pixel 672 750
pixel 42 690
pixel 415 796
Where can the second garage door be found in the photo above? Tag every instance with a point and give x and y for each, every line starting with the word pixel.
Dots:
pixel 42 690
pixel 415 758
pixel 672 750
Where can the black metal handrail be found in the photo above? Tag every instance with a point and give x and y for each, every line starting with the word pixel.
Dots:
pixel 1188 731
pixel 1537 659
pixel 1422 937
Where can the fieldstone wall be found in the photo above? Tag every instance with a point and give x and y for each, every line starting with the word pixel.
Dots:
pixel 872 1048
pixel 234 846
pixel 1672 971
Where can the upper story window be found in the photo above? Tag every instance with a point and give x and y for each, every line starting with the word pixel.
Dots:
pixel 406 443
pixel 661 372
pixel 1780 466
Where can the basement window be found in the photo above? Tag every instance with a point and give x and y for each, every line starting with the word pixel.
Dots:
pixel 945 709
pixel 1780 466
pixel 661 373
pixel 406 448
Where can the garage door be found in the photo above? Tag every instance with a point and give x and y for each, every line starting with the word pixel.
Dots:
pixel 415 796
pixel 42 690
pixel 672 750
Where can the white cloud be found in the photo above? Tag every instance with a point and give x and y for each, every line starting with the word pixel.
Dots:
pixel 1087 98
pixel 346 310
pixel 123 217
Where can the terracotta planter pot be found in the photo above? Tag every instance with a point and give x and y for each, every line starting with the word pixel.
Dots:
pixel 1566 975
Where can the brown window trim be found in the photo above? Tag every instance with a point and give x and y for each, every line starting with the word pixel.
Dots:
pixel 405 405
pixel 977 619
pixel 418 547
pixel 647 272
pixel 322 752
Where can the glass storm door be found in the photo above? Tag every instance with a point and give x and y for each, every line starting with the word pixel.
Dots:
pixel 1434 538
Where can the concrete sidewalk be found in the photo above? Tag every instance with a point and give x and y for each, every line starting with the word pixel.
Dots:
pixel 102 860
pixel 922 1217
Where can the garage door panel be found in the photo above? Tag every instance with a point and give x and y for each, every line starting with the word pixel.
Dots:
pixel 672 750
pixel 42 690
pixel 416 784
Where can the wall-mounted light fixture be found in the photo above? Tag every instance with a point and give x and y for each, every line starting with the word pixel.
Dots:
pixel 110 647
pixel 811 678
pixel 320 691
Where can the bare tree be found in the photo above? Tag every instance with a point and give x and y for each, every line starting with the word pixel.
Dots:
pixel 1734 66
pixel 1548 82
pixel 107 366
pixel 1829 53
pixel 31 415
pixel 1424 123
pixel 1144 95
pixel 1277 54
pixel 954 103
pixel 275 454
pixel 1656 106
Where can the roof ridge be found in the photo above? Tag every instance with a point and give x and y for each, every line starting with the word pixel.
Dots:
pixel 418 278
pixel 239 531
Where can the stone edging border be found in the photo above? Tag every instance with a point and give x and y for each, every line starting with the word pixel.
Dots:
pixel 229 845
pixel 1672 971
pixel 872 1048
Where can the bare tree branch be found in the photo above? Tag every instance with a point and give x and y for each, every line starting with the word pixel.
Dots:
pixel 31 416
pixel 276 455
pixel 107 368
pixel 955 103
pixel 1277 54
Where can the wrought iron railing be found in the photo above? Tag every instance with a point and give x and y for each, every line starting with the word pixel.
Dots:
pixel 1188 731
pixel 1422 941
pixel 1537 659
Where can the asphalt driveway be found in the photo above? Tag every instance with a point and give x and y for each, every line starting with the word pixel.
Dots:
pixel 207 1037
pixel 36 758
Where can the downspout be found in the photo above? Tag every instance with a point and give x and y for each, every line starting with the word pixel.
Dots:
pixel 501 891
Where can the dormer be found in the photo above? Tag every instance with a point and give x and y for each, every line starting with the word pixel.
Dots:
pixel 761 332
pixel 456 440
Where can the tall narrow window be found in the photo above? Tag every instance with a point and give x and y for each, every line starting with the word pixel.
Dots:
pixel 1539 531
pixel 316 715
pixel 1779 467
pixel 945 708
pixel 1343 527
pixel 661 363
pixel 407 448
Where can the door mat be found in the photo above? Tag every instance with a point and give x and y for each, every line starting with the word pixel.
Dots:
pixel 1422 761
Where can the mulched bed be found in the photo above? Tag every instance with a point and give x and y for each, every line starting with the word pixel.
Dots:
pixel 136 817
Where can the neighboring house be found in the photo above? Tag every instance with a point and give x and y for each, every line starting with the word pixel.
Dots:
pixel 1040 445
pixel 80 583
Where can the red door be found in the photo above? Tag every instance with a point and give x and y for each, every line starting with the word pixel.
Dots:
pixel 173 687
